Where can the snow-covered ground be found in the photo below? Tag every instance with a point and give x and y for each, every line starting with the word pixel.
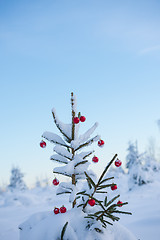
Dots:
pixel 15 208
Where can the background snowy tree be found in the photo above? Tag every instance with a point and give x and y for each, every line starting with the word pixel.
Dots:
pixel 132 156
pixel 16 180
pixel 140 166
pixel 151 158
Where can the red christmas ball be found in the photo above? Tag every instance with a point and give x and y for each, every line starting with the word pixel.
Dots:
pixel 55 182
pixel 119 202
pixel 76 120
pixel 114 187
pixel 95 159
pixel 118 163
pixel 56 210
pixel 100 143
pixel 63 209
pixel 91 202
pixel 82 119
pixel 42 144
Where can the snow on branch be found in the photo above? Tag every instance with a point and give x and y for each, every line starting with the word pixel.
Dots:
pixel 82 175
pixel 56 170
pixel 73 103
pixel 52 137
pixel 84 137
pixel 65 129
pixel 66 185
pixel 67 188
pixel 64 188
pixel 79 160
pixel 59 158
pixel 96 138
pixel 67 170
pixel 81 167
pixel 85 154
pixel 62 152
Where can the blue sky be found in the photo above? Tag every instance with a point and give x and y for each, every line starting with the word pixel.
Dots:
pixel 107 52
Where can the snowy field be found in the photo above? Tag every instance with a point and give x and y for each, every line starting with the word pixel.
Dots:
pixel 17 207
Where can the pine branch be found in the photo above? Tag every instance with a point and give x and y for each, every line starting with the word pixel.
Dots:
pixel 101 192
pixel 105 170
pixel 88 142
pixel 57 125
pixel 104 186
pixel 73 116
pixel 58 152
pixel 55 142
pixel 121 204
pixel 112 209
pixel 117 211
pixel 81 192
pixel 89 179
pixel 87 155
pixel 73 137
pixel 105 201
pixel 57 160
pixel 112 200
pixel 63 193
pixel 98 186
pixel 82 162
pixel 63 230
pixel 98 230
pixel 106 179
pixel 62 173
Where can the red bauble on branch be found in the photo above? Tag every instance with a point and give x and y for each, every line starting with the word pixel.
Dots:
pixel 101 143
pixel 42 144
pixel 76 120
pixel 119 203
pixel 82 119
pixel 95 159
pixel 63 209
pixel 55 182
pixel 56 210
pixel 114 187
pixel 91 202
pixel 118 163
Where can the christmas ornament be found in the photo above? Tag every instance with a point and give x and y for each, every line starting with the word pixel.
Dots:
pixel 56 210
pixel 42 144
pixel 114 187
pixel 119 202
pixel 118 163
pixel 76 120
pixel 63 209
pixel 82 119
pixel 55 182
pixel 91 202
pixel 95 159
pixel 100 143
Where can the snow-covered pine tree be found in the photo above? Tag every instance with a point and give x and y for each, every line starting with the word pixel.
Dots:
pixel 151 164
pixel 16 180
pixel 75 162
pixel 92 208
pixel 132 155
pixel 136 164
pixel 67 152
